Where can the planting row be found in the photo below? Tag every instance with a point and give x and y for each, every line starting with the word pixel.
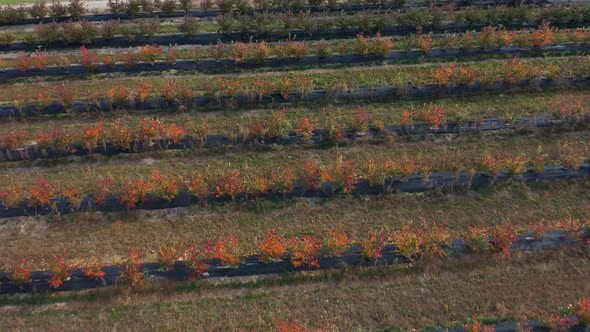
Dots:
pixel 258 56
pixel 162 191
pixel 261 52
pixel 75 10
pixel 277 254
pixel 231 28
pixel 259 89
pixel 153 135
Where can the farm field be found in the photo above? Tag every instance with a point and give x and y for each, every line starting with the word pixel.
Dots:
pixel 295 166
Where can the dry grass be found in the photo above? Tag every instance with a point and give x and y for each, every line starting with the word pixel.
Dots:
pixel 434 294
pixel 110 236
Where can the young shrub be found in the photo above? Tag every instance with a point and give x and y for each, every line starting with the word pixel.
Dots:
pixel 544 35
pixel 582 311
pixel 41 192
pixel 335 243
pixel 13 139
pixel 150 53
pixel 193 258
pixel 361 46
pixel 87 58
pixel 239 52
pixel 516 165
pixel 197 185
pixel 61 271
pixel 255 185
pixel 21 274
pixel 58 9
pixel 164 186
pixel 76 9
pixel 38 9
pixel 359 121
pixel 477 240
pixel 174 133
pixel 131 270
pixel 314 175
pixel 148 26
pixel 491 164
pixel 94 270
pixel 12 195
pixel 92 136
pixel 304 128
pixel 226 250
pixel 189 25
pixel 23 62
pixel 116 6
pixel 283 180
pixel 278 125
pixel 382 46
pixel 434 116
pixel 305 251
pixel 272 248
pixel 134 192
pixel 502 238
pixel 424 43
pixel 344 176
pixel 167 256
pixel 408 242
pixel 132 7
pixel 261 52
pixel 230 184
pixel 64 94
pixel 110 29
pixel 186 5
pixel 168 7
pixel 372 246
pixel 120 137
pixel 297 50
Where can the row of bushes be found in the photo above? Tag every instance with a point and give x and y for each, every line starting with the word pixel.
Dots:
pixel 86 32
pixel 413 243
pixel 76 9
pixel 277 125
pixel 259 86
pixel 238 52
pixel 230 183
pixel 366 21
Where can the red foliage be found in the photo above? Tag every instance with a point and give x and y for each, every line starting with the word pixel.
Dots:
pixel 502 238
pixel 230 184
pixel 13 139
pixel 174 133
pixel 336 242
pixel 94 270
pixel 305 251
pixel 41 193
pixel 102 189
pixel 283 180
pixel 61 271
pixel 134 192
pixel 131 270
pixel 314 175
pixel 373 245
pixel 164 186
pixel 193 258
pixel 87 58
pixel 226 250
pixel 196 184
pixel 272 248
pixel 21 275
